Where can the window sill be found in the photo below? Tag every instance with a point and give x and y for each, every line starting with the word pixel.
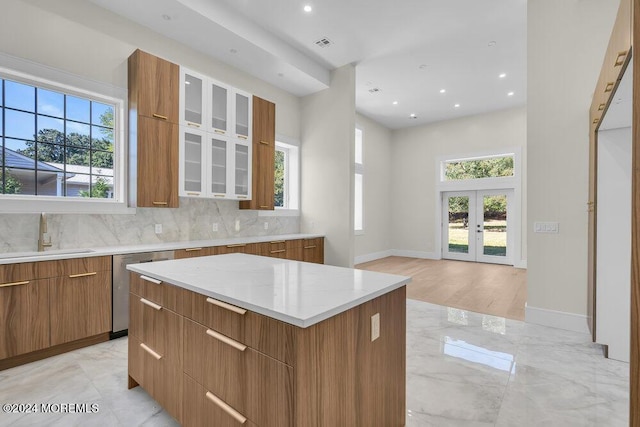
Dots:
pixel 280 212
pixel 13 205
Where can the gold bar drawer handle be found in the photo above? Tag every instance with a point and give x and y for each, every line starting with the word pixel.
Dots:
pixel 195 125
pixel 279 251
pixel 620 58
pixel 193 249
pixel 242 197
pixel 151 304
pixel 160 203
pixel 233 343
pixel 609 87
pixel 239 245
pixel 242 137
pixel 275 242
pixel 264 207
pixel 218 195
pixel 600 107
pixel 151 279
pixel 264 142
pixel 191 193
pixel 6 285
pixel 219 131
pixel 73 276
pixel 226 306
pixel 310 247
pixel 226 408
pixel 159 116
pixel 596 120
pixel 151 352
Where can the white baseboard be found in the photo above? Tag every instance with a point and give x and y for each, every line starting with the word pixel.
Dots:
pixel 372 257
pixel 556 319
pixel 521 264
pixel 415 254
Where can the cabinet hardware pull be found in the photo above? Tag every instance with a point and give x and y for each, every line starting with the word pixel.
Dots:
pixel 278 251
pixel 264 142
pixel 151 304
pixel 158 116
pixel 233 343
pixel 151 352
pixel 191 193
pixel 150 279
pixel 242 137
pixel 6 285
pixel 275 242
pixel 596 120
pixel 195 125
pixel 609 87
pixel 264 207
pixel 239 245
pixel 620 58
pixel 219 131
pixel 242 197
pixel 218 195
pixel 600 107
pixel 192 249
pixel 160 203
pixel 310 247
pixel 73 276
pixel 226 408
pixel 226 306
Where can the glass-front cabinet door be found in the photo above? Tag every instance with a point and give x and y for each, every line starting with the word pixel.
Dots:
pixel 192 99
pixel 243 115
pixel 219 107
pixel 242 170
pixel 191 162
pixel 218 167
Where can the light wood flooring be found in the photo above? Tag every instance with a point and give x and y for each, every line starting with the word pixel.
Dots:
pixel 499 290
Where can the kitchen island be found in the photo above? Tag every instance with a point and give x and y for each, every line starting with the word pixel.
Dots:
pixel 237 338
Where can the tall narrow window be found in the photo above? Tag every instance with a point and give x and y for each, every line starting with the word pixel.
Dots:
pixel 358 207
pixel 286 176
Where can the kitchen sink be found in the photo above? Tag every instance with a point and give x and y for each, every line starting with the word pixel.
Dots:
pixel 13 255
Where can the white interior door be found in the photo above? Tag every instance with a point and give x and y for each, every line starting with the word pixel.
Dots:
pixel 477 226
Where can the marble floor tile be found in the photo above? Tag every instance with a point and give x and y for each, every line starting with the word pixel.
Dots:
pixel 463 369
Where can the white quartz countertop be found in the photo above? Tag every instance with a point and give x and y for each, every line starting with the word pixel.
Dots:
pixel 294 292
pixel 17 257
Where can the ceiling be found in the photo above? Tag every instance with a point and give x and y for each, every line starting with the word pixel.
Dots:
pixel 409 50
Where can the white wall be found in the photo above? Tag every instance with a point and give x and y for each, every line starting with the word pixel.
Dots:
pixel 413 162
pixel 375 242
pixel 613 277
pixel 566 45
pixel 327 155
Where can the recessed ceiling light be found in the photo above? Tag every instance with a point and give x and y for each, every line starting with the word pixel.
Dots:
pixel 442 90
pixel 456 106
pixel 492 43
pixel 422 66
pixel 307 8
pixel 233 51
pixel 280 74
pixel 395 102
pixel 166 17
pixel 510 94
pixel 503 75
pixel 413 116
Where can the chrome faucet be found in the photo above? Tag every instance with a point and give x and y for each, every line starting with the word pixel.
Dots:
pixel 43 230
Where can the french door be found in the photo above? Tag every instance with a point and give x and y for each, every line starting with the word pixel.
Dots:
pixel 475 226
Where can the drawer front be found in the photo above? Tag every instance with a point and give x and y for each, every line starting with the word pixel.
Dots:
pixel 11 273
pixel 201 411
pixel 157 327
pixel 313 250
pixel 267 335
pixel 294 250
pixel 73 266
pixel 277 249
pixel 156 291
pixel 244 248
pixel 161 378
pixel 193 252
pixel 256 385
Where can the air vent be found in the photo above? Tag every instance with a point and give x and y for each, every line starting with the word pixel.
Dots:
pixel 374 90
pixel 324 42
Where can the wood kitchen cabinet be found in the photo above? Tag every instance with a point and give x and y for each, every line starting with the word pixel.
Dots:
pixel 264 147
pixel 153 131
pixel 313 250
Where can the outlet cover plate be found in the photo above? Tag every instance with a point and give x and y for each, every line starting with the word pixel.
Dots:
pixel 546 227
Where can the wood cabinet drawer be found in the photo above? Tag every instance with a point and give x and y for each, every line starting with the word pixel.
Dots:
pixel 256 385
pixel 201 411
pixel 11 273
pixel 24 317
pixel 193 252
pixel 73 266
pixel 276 249
pixel 313 250
pixel 294 250
pixel 267 335
pixel 243 248
pixel 156 291
pixel 156 326
pixel 160 377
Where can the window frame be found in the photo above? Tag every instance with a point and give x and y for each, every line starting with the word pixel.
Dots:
pixel 48 78
pixel 292 179
pixel 358 170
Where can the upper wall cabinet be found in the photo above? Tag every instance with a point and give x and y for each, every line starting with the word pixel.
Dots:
pixel 192 99
pixel 156 87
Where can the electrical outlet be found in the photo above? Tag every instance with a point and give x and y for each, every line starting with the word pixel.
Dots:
pixel 266 225
pixel 214 227
pixel 237 225
pixel 546 227
pixel 158 228
pixel 375 326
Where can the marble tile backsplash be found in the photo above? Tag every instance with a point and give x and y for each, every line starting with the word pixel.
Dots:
pixel 193 220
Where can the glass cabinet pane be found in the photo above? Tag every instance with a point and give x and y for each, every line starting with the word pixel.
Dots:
pixel 242 115
pixel 193 87
pixel 218 166
pixel 242 170
pixel 218 107
pixel 192 162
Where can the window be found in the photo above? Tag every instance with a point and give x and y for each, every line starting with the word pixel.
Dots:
pixel 286 176
pixel 358 210
pixel 478 168
pixel 55 142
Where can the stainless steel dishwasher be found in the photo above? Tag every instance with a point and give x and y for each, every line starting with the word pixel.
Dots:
pixel 120 287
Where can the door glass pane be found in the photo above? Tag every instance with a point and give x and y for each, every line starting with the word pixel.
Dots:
pixel 242 170
pixel 242 115
pixel 218 166
pixel 459 224
pixel 192 99
pixel 219 107
pixel 495 225
pixel 192 162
